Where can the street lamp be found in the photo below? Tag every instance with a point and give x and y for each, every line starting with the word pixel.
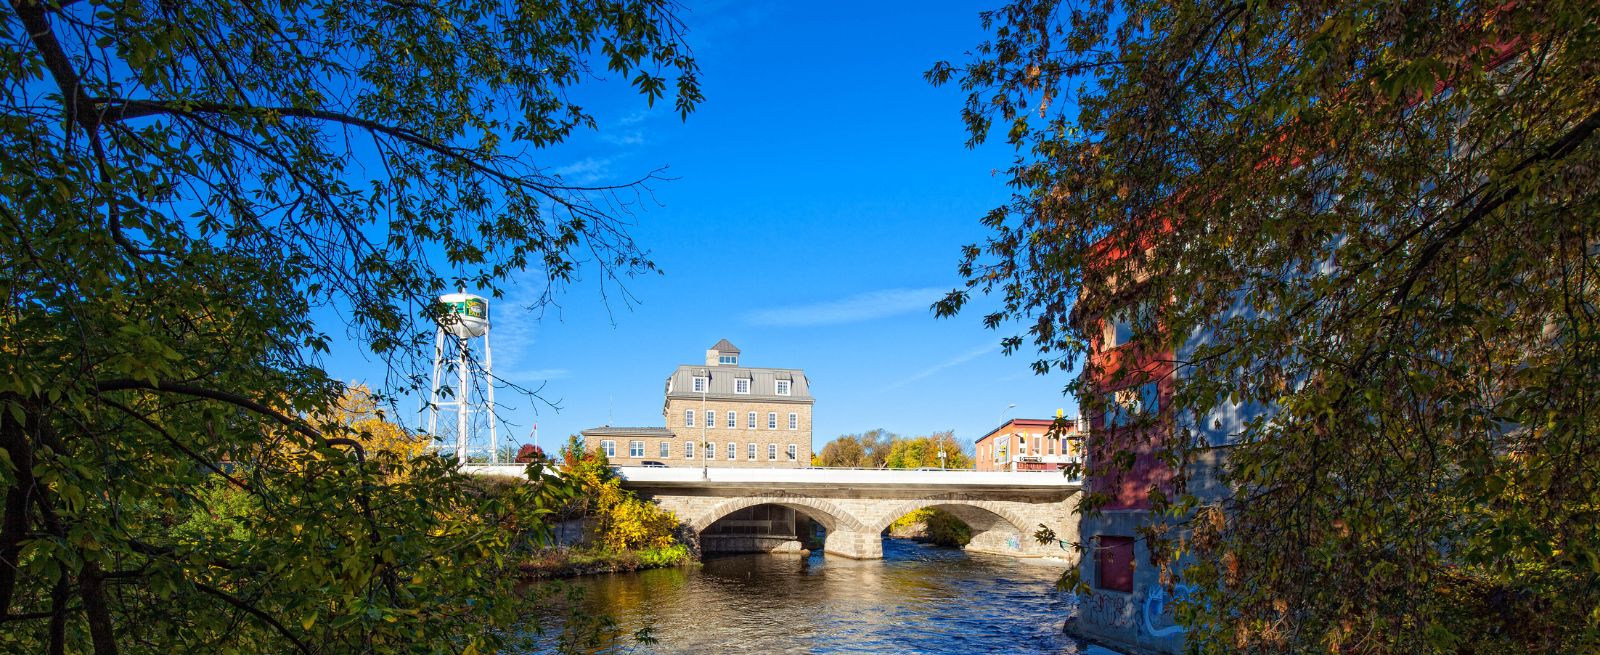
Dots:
pixel 941 459
pixel 705 464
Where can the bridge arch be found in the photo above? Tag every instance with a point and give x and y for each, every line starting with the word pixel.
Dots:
pixel 996 528
pixel 832 517
pixel 987 515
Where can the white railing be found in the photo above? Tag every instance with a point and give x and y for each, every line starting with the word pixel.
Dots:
pixel 845 476
pixel 691 475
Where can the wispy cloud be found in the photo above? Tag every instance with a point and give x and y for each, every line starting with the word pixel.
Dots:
pixel 853 309
pixel 952 362
pixel 584 171
pixel 624 137
pixel 515 334
pixel 627 131
pixel 633 117
pixel 534 375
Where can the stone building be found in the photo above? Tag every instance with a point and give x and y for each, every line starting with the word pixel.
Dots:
pixel 720 414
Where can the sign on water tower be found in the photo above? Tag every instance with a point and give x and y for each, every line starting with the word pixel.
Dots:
pixel 468 315
pixel 465 320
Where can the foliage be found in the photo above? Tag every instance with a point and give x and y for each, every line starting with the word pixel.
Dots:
pixel 665 556
pixel 936 526
pixel 882 449
pixel 529 453
pixel 1370 228
pixel 866 450
pixel 183 186
pixel 625 521
pixel 923 452
pixel 389 446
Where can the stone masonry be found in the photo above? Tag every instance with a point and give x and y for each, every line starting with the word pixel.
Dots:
pixel 1003 521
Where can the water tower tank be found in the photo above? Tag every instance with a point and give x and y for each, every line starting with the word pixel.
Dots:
pixel 466 315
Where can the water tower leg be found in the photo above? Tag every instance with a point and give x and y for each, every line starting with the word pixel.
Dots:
pixel 433 392
pixel 488 382
pixel 462 393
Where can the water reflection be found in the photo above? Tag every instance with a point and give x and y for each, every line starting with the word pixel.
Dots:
pixel 918 599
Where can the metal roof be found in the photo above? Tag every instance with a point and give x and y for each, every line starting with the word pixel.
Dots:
pixel 724 346
pixel 608 431
pixel 763 383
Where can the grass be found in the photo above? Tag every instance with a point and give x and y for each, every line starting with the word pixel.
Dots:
pixel 568 562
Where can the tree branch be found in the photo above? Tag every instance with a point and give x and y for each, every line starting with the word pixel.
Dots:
pixel 252 610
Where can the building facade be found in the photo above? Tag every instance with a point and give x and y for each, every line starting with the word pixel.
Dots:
pixel 1027 444
pixel 721 414
pixel 1130 606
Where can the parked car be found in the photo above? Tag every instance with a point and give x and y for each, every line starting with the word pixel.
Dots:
pixel 653 465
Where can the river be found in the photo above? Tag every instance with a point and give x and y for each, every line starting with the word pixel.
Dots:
pixel 917 599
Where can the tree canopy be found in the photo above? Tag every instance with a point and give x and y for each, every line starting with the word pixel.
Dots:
pixel 183 187
pixel 879 448
pixel 1379 220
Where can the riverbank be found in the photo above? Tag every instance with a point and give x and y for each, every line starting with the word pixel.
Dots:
pixel 573 562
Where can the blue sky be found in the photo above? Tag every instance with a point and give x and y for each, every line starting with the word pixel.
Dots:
pixel 821 195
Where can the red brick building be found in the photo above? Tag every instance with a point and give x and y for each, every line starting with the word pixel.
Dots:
pixel 1028 444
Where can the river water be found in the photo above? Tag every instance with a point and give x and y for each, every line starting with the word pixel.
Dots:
pixel 917 599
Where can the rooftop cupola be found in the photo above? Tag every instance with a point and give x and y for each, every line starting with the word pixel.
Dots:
pixel 723 354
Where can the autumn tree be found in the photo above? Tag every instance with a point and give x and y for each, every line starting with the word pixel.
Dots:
pixel 869 449
pixel 1377 220
pixel 923 452
pixel 184 186
pixel 623 520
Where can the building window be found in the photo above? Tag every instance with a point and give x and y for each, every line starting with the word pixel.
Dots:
pixel 728 360
pixel 636 449
pixel 794 421
pixel 1118 331
pixel 1125 406
pixel 1050 445
pixel 752 421
pixel 688 450
pixel 741 385
pixel 783 387
pixel 733 420
pixel 700 384
pixel 711 418
pixel 772 452
pixel 751 452
pixel 666 449
pixel 733 451
pixel 1114 564
pixel 794 452
pixel 609 447
pixel 710 450
pixel 688 418
pixel 772 420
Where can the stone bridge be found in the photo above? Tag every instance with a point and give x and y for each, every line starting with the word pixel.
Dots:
pixel 855 506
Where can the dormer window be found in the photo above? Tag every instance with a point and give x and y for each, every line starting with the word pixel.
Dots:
pixel 699 384
pixel 741 385
pixel 727 360
pixel 783 387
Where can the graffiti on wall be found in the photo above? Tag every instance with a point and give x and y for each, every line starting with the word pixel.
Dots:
pixel 1106 610
pixel 1158 618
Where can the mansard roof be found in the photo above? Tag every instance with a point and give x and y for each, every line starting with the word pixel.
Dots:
pixel 763 383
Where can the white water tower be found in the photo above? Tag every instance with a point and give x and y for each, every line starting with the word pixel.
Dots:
pixel 466 319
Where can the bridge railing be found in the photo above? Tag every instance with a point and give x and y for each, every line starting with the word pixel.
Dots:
pixel 814 475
